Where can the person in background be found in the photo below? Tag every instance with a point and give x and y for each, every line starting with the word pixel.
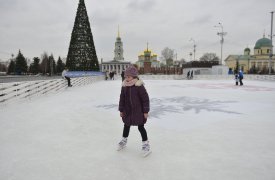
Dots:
pixel 241 77
pixel 237 79
pixel 64 76
pixel 188 74
pixel 111 74
pixel 191 75
pixel 106 75
pixel 122 75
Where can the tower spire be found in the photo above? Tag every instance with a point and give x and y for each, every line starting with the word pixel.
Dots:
pixel 118 33
pixel 118 47
pixel 147 46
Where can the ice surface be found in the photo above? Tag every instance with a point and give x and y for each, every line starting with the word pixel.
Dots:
pixel 199 130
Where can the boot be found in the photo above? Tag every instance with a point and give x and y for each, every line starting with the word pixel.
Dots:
pixel 146 148
pixel 122 144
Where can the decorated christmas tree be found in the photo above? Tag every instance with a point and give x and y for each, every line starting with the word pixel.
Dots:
pixel 82 54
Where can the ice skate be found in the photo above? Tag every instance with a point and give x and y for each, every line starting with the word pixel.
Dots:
pixel 146 148
pixel 122 144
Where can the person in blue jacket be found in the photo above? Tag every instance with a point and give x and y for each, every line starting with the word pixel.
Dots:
pixel 241 77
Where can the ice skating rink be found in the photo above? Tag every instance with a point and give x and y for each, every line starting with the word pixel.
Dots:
pixel 198 129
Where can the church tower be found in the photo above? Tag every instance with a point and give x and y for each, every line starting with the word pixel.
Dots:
pixel 118 48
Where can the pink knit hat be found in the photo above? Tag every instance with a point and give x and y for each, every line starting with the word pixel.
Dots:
pixel 131 71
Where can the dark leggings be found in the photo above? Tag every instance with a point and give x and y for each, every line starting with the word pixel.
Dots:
pixel 141 129
pixel 69 80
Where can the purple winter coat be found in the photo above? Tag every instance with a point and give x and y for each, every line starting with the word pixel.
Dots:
pixel 134 102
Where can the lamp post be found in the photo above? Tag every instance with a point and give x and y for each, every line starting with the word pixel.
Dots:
pixel 222 34
pixel 271 50
pixel 175 54
pixel 190 54
pixel 194 48
pixel 238 64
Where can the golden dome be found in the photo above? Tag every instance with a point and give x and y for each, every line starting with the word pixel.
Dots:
pixel 141 54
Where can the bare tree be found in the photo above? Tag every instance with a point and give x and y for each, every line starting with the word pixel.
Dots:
pixel 209 57
pixel 182 61
pixel 167 55
pixel 3 67
pixel 44 64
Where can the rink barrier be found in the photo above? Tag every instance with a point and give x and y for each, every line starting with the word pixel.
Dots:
pixel 28 89
pixel 161 77
pixel 208 77
pixel 230 77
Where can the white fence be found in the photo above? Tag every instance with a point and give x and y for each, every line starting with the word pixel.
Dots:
pixel 161 77
pixel 210 77
pixel 28 89
pixel 246 77
pixel 23 90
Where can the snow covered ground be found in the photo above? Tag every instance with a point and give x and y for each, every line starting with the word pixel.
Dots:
pixel 199 130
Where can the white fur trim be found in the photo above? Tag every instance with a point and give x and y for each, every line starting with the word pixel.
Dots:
pixel 138 83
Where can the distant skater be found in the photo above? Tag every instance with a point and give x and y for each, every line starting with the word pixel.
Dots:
pixel 241 77
pixel 106 75
pixel 64 76
pixel 236 79
pixel 122 75
pixel 191 75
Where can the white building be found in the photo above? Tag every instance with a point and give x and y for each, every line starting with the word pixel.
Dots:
pixel 118 64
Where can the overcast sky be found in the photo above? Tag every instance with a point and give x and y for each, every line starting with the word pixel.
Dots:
pixel 37 26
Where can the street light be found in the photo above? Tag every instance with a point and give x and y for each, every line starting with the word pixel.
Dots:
pixel 194 47
pixel 175 54
pixel 238 64
pixel 271 50
pixel 190 54
pixel 222 34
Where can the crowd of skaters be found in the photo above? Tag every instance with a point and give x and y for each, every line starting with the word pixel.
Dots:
pixel 110 75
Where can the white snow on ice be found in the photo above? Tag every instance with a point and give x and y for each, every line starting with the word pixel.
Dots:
pixel 199 130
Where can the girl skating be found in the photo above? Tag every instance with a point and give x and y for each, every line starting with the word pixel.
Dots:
pixel 134 106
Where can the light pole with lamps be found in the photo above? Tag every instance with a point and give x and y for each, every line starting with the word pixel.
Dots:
pixel 194 48
pixel 271 50
pixel 238 64
pixel 175 54
pixel 222 34
pixel 190 54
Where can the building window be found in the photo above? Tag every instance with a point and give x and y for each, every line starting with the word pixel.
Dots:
pixel 267 51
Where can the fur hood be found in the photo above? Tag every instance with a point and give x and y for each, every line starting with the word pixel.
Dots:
pixel 138 83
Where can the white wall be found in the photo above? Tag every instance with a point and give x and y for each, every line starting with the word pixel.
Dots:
pixel 10 92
